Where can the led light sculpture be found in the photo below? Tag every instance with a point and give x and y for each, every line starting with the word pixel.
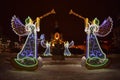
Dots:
pixel 96 58
pixel 57 38
pixel 68 45
pixel 27 57
pixel 45 44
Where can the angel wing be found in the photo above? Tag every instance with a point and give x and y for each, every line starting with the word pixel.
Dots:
pixel 42 37
pixel 42 41
pixel 71 44
pixel 18 27
pixel 43 44
pixel 105 28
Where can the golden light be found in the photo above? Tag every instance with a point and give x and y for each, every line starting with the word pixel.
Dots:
pixel 53 44
pixel 57 36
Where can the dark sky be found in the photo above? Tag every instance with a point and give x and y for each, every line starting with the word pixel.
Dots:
pixel 71 27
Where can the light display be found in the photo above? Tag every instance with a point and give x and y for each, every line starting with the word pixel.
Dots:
pixel 27 57
pixel 45 44
pixel 96 58
pixel 67 45
pixel 56 40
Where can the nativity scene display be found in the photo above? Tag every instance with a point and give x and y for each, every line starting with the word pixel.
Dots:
pixel 57 48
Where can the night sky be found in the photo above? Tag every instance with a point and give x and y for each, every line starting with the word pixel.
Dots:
pixel 71 27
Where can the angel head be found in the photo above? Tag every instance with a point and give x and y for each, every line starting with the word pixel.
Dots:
pixel 66 44
pixel 30 26
pixel 91 26
pixel 94 26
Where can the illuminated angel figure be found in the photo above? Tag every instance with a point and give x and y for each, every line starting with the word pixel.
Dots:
pixel 68 45
pixel 27 57
pixel 95 56
pixel 45 44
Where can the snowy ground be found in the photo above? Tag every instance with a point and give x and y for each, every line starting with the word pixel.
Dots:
pixel 70 69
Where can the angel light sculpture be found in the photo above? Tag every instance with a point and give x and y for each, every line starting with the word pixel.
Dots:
pixel 68 45
pixel 27 57
pixel 96 58
pixel 45 44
